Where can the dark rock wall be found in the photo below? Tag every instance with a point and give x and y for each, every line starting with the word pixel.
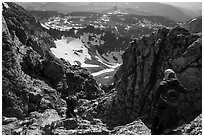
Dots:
pixel 144 62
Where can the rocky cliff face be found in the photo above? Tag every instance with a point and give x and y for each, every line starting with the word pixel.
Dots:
pixel 33 78
pixel 144 62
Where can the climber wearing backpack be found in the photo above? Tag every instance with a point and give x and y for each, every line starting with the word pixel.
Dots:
pixel 71 102
pixel 165 103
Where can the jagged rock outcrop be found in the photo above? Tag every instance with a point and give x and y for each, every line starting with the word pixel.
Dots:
pixel 33 78
pixel 144 62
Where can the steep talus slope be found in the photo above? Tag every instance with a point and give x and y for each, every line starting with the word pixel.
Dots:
pixel 33 78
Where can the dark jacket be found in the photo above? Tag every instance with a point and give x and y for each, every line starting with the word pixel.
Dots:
pixel 168 93
pixel 166 104
pixel 70 103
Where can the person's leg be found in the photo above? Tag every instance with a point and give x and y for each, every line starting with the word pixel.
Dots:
pixel 68 114
pixel 160 128
pixel 155 125
pixel 73 113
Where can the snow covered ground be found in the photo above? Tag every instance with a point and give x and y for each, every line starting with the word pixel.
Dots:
pixel 114 54
pixel 73 51
pixel 111 66
pixel 77 53
pixel 5 5
pixel 105 62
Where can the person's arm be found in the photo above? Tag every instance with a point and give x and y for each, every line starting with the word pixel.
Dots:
pixel 179 86
pixel 157 95
pixel 183 89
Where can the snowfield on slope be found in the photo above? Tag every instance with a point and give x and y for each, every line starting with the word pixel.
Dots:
pixel 74 52
pixel 111 66
pixel 105 62
pixel 114 54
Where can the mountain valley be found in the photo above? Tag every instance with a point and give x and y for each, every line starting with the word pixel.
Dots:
pixel 106 36
pixel 112 61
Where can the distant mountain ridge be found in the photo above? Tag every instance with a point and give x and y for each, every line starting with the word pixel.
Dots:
pixel 151 8
pixel 193 9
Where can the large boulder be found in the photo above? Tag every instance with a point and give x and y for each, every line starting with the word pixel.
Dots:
pixel 135 128
pixel 83 127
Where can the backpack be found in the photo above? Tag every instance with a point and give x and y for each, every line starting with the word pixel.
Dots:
pixel 73 100
pixel 170 97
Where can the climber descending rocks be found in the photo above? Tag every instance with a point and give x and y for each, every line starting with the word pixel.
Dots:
pixel 165 103
pixel 71 104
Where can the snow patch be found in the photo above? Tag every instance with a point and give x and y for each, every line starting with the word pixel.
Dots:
pixel 127 28
pixel 75 31
pixel 102 72
pixel 192 20
pixel 106 77
pixel 61 24
pixel 6 5
pixel 74 52
pixel 117 12
pixel 103 61
pixel 105 18
pixel 114 56
pixel 44 26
